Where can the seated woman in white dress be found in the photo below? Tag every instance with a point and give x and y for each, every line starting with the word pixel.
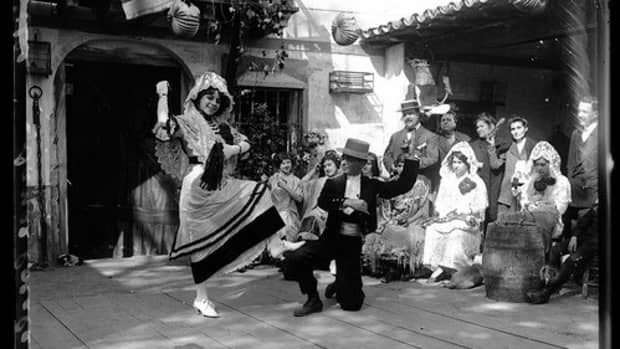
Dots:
pixel 455 232
pixel 546 193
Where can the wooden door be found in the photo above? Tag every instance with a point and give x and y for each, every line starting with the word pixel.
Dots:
pixel 120 202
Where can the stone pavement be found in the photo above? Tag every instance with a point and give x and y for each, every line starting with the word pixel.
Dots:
pixel 145 302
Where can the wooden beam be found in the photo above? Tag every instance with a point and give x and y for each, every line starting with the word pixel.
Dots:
pixel 541 63
pixel 505 34
pixel 86 53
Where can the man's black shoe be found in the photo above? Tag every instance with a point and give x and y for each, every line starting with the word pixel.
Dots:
pixel 313 305
pixel 330 290
pixel 422 273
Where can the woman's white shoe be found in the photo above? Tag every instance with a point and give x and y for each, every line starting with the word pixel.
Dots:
pixel 206 308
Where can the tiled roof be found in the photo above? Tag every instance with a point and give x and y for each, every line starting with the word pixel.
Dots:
pixel 451 12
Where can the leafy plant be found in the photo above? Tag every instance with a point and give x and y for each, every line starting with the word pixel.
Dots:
pixel 268 139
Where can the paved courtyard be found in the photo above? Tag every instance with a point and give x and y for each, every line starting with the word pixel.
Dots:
pixel 145 302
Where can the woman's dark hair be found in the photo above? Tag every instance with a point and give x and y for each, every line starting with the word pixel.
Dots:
pixel 332 156
pixel 277 160
pixel 224 100
pixel 457 154
pixel 486 118
pixel 374 164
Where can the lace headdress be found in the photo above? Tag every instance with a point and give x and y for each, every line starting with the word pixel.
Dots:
pixel 465 149
pixel 545 150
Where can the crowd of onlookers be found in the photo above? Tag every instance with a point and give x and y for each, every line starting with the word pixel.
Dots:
pixel 463 184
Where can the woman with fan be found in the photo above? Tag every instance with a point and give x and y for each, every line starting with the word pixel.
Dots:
pixel 224 222
pixel 546 192
pixel 488 149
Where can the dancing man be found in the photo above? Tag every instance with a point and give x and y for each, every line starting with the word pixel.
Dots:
pixel 350 200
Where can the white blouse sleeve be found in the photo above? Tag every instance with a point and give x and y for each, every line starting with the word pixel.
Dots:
pixel 479 197
pixel 562 194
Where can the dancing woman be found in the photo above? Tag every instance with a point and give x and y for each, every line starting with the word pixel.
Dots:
pixel 225 223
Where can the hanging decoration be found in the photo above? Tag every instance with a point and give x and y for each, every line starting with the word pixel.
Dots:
pixel 184 18
pixel 345 30
pixel 137 8
pixel 427 92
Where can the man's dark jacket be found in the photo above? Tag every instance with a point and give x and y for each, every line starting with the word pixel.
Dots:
pixel 332 196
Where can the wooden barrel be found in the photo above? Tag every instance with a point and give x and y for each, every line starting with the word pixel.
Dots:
pixel 512 258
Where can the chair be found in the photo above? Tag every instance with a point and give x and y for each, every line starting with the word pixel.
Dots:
pixel 590 277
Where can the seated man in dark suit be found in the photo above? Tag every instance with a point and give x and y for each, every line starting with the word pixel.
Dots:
pixel 582 247
pixel 350 201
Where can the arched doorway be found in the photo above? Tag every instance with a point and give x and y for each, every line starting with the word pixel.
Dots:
pixel 119 201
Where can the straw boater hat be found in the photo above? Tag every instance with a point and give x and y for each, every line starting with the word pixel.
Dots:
pixel 408 105
pixel 413 104
pixel 356 148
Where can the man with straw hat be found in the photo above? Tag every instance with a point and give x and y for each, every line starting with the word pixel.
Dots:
pixel 413 139
pixel 350 200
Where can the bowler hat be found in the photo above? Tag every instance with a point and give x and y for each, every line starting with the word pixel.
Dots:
pixel 356 148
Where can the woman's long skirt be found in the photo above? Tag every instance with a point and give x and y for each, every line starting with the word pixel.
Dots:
pixel 225 229
pixel 451 244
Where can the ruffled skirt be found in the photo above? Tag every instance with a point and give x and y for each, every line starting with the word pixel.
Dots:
pixel 225 229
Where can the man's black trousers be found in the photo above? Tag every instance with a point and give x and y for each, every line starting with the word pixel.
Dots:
pixel 300 264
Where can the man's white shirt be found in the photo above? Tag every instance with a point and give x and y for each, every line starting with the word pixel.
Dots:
pixel 587 131
pixel 353 187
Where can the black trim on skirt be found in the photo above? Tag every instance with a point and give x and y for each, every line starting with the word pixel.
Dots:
pixel 265 225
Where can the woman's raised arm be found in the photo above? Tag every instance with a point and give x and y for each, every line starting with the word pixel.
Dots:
pixel 165 126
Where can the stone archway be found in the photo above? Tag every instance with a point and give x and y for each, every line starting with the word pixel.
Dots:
pixel 117 52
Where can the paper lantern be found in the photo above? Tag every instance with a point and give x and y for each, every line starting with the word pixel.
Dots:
pixel 184 18
pixel 345 29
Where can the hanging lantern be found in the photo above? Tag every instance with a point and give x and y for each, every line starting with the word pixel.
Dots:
pixel 422 72
pixel 345 29
pixel 184 18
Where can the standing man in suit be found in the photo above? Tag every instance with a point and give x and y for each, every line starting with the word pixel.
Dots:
pixel 582 163
pixel 413 139
pixel 350 201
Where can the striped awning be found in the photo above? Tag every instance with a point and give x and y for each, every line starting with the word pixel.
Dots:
pixel 451 16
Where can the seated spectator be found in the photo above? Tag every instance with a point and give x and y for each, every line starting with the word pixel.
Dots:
pixel 453 235
pixel 581 247
pixel 371 169
pixel 399 239
pixel 313 217
pixel 448 136
pixel 546 192
pixel 286 195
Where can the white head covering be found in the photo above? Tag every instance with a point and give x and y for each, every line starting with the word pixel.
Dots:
pixel 465 149
pixel 206 80
pixel 545 150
